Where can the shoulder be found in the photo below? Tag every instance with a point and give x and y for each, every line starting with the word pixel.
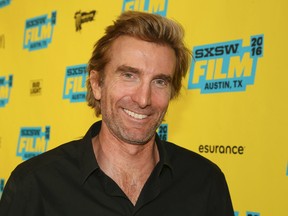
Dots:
pixel 188 161
pixel 53 158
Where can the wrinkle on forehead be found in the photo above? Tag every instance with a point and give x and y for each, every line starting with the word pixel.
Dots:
pixel 140 55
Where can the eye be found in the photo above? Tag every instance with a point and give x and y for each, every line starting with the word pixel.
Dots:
pixel 128 75
pixel 161 82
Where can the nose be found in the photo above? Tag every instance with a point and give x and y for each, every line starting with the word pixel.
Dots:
pixel 142 95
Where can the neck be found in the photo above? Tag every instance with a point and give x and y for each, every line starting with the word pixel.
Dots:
pixel 125 157
pixel 128 165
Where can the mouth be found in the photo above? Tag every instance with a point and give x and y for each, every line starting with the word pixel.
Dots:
pixel 135 115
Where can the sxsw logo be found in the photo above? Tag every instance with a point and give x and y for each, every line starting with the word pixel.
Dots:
pixel 151 6
pixel 5 89
pixel 248 213
pixel 38 31
pixel 75 83
pixel 225 67
pixel 2 182
pixel 32 141
pixel 252 213
pixel 4 3
pixel 163 132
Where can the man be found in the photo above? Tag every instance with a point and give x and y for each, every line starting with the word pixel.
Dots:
pixel 121 167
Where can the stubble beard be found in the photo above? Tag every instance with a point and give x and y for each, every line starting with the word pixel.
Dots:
pixel 117 128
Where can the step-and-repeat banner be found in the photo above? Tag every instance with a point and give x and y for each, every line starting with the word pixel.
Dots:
pixel 232 110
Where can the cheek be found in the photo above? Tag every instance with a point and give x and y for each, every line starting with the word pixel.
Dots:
pixel 161 100
pixel 114 93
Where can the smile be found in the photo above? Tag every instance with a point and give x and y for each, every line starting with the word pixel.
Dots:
pixel 135 115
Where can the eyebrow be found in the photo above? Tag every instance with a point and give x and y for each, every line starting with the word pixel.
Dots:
pixel 125 68
pixel 165 77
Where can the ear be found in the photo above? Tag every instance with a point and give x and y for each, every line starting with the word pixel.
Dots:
pixel 95 83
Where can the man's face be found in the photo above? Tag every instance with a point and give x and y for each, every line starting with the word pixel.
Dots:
pixel 136 90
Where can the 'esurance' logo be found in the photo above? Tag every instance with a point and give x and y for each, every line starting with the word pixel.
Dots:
pixel 5 89
pixel 75 83
pixel 225 67
pixel 151 6
pixel 32 141
pixel 38 32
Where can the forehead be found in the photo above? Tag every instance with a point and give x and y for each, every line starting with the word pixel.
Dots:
pixel 134 52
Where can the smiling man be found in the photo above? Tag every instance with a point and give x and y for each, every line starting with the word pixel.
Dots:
pixel 134 97
pixel 121 167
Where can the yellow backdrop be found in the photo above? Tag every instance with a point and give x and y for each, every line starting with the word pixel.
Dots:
pixel 233 107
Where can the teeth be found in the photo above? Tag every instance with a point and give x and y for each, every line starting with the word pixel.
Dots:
pixel 135 115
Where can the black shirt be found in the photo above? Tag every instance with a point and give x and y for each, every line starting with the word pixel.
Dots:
pixel 67 181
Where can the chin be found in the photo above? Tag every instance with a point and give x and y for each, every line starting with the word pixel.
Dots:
pixel 138 140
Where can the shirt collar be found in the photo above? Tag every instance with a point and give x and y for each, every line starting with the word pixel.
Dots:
pixel 164 159
pixel 89 163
